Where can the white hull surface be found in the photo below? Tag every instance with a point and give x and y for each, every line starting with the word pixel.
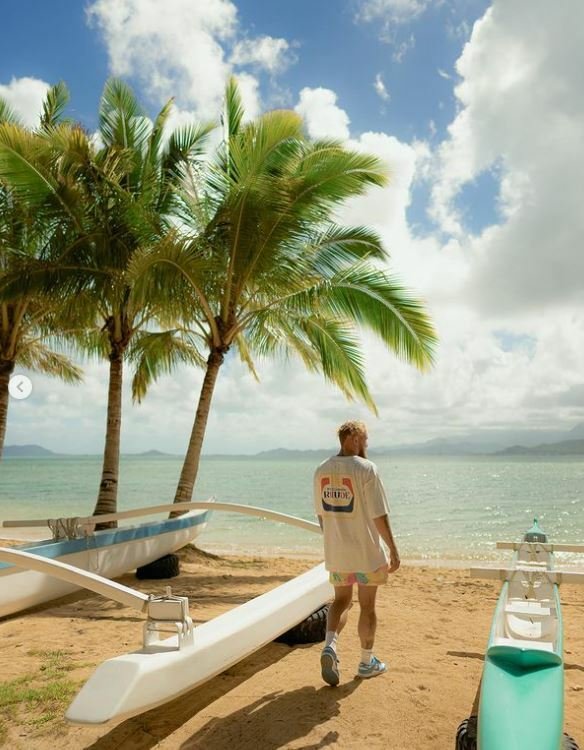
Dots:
pixel 128 685
pixel 528 618
pixel 109 553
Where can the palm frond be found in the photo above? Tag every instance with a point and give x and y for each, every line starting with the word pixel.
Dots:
pixel 340 356
pixel 21 166
pixel 26 166
pixel 88 343
pixel 173 272
pixel 7 114
pixel 336 247
pixel 322 343
pixel 157 134
pixel 35 356
pixel 185 144
pixel 122 121
pixel 56 100
pixel 328 174
pixel 376 301
pixel 32 277
pixel 275 334
pixel 245 355
pixel 233 111
pixel 154 354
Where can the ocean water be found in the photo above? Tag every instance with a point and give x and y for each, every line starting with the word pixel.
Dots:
pixel 441 508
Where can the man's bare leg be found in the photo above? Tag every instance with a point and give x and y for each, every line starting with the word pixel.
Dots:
pixel 367 616
pixel 336 621
pixel 339 609
pixel 369 666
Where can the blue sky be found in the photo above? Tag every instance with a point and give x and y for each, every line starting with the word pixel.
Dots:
pixel 475 106
pixel 56 40
pixel 53 40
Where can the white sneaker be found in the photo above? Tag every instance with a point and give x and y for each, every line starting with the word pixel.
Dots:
pixel 371 670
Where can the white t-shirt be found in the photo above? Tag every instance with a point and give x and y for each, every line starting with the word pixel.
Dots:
pixel 348 495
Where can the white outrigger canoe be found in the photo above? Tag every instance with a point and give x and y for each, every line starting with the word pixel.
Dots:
pixel 166 668
pixel 109 552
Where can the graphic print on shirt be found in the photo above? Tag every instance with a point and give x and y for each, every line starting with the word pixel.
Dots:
pixel 337 499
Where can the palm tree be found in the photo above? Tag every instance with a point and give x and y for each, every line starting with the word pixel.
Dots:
pixel 29 321
pixel 127 201
pixel 266 268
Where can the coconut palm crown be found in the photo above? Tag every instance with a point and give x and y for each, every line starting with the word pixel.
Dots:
pixel 115 193
pixel 265 268
pixel 30 322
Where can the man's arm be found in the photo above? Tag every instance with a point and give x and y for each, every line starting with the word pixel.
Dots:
pixel 384 529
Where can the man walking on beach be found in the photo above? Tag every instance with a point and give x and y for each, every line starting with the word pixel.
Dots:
pixel 352 509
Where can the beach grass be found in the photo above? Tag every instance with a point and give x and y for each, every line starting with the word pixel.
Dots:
pixel 39 699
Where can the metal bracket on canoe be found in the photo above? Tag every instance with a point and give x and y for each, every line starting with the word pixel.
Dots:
pixel 168 614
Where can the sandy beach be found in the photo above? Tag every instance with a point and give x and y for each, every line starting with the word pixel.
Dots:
pixel 433 627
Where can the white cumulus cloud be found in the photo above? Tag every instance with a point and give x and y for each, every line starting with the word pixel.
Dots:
pixel 521 111
pixel 25 96
pixel 390 11
pixel 274 55
pixel 323 117
pixel 185 49
pixel 380 88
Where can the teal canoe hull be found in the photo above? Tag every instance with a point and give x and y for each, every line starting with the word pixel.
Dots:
pixel 521 708
pixel 522 693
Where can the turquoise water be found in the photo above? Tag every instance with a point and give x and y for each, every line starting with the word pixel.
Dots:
pixel 441 508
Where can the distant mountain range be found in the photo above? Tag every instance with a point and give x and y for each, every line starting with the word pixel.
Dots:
pixel 498 443
pixel 37 451
pixel 563 448
pixel 27 451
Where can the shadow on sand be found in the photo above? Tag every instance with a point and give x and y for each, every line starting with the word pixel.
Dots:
pixel 265 723
pixel 275 720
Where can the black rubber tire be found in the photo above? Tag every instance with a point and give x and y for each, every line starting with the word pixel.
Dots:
pixel 569 743
pixel 164 567
pixel 310 630
pixel 466 734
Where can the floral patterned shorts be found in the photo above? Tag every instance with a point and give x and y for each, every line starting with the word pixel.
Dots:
pixel 376 578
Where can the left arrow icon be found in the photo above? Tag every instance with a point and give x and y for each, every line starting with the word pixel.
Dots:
pixel 20 387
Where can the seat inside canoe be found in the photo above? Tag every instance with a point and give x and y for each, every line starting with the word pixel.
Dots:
pixel 527 628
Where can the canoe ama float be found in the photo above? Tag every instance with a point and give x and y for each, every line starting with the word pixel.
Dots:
pixel 164 669
pixel 128 685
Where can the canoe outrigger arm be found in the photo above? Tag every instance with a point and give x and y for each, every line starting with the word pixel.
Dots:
pixel 166 613
pixel 543 546
pixel 80 526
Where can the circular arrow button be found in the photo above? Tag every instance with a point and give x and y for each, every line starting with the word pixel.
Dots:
pixel 20 387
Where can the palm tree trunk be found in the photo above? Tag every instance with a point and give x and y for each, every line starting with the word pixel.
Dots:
pixel 190 469
pixel 108 489
pixel 6 370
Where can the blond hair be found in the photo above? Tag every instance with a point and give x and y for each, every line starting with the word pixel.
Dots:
pixel 352 427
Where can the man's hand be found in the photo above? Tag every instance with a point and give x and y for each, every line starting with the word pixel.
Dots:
pixel 394 562
pixel 384 529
